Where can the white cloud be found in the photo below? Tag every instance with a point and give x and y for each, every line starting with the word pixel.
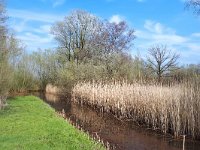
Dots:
pixel 34 41
pixel 158 38
pixel 116 19
pixel 171 39
pixel 43 29
pixel 58 2
pixel 37 36
pixel 34 16
pixel 19 26
pixel 55 3
pixel 140 0
pixel 196 34
pixel 156 33
pixel 194 47
pixel 157 27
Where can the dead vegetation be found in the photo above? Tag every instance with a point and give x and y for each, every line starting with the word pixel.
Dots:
pixel 171 109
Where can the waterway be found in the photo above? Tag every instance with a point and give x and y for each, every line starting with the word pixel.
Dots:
pixel 121 135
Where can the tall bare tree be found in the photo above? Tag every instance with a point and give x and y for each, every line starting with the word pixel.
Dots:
pixel 74 33
pixel 112 39
pixel 9 48
pixel 4 70
pixel 195 5
pixel 82 36
pixel 161 60
pixel 3 29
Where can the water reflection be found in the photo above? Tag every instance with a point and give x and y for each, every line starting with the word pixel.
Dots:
pixel 122 135
pixel 52 98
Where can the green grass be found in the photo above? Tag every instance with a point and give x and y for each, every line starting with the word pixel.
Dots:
pixel 29 123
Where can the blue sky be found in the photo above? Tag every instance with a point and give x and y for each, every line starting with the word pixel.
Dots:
pixel 155 22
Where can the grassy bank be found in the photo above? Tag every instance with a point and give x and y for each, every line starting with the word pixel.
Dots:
pixel 171 109
pixel 29 123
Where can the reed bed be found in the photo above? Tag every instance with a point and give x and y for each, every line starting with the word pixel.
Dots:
pixel 171 109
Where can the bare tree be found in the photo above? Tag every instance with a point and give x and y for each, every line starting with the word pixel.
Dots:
pixel 112 39
pixel 115 38
pixel 9 48
pixel 82 36
pixel 4 69
pixel 74 33
pixel 3 29
pixel 195 5
pixel 3 17
pixel 161 60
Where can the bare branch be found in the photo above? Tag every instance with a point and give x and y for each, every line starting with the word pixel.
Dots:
pixel 161 60
pixel 195 5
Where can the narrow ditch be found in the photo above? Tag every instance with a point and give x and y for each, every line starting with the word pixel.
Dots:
pixel 121 135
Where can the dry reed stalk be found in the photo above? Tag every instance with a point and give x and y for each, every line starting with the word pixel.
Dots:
pixel 173 109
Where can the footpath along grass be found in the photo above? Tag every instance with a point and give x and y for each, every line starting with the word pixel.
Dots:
pixel 29 123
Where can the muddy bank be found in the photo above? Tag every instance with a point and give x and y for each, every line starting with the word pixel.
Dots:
pixel 122 135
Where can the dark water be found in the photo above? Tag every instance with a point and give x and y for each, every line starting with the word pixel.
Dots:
pixel 122 135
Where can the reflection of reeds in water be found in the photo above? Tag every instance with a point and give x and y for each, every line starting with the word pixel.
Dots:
pixel 174 109
pixel 52 97
pixel 52 89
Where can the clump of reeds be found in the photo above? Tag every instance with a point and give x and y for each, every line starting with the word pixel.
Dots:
pixel 172 109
